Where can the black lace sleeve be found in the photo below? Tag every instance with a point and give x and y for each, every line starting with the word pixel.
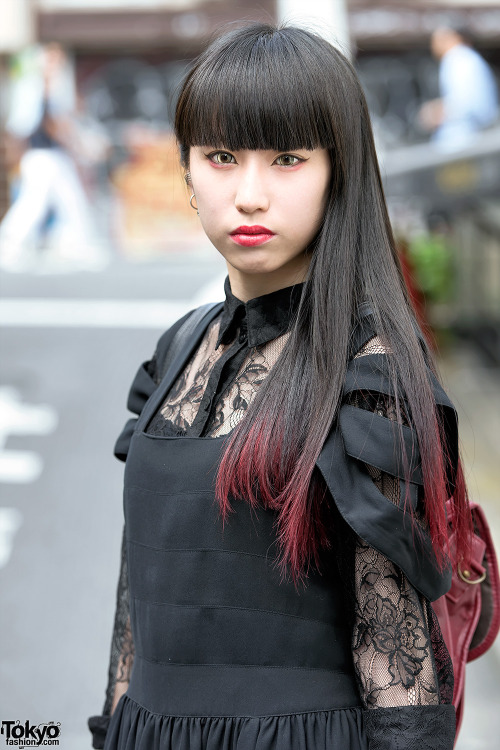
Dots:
pixel 121 655
pixel 392 649
pixel 402 665
pixel 405 693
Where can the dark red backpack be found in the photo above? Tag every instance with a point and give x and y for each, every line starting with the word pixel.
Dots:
pixel 469 613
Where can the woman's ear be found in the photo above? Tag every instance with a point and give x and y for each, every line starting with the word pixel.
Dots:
pixel 187 177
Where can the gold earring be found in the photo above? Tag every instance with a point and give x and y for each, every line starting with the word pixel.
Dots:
pixel 191 204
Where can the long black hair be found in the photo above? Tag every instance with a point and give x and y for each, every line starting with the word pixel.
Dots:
pixel 285 88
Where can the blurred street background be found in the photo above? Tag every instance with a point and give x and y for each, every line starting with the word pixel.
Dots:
pixel 100 252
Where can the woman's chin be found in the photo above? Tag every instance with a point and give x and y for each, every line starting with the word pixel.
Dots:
pixel 251 260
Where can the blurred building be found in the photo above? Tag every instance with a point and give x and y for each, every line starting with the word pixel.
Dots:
pixel 16 30
pixel 389 41
pixel 129 56
pixel 391 47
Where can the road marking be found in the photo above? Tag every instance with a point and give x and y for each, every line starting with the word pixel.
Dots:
pixel 10 521
pixel 90 313
pixel 21 467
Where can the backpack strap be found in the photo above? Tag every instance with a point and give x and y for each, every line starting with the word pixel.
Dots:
pixel 166 357
pixel 363 331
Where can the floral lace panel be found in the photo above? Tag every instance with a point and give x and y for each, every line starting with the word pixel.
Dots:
pixel 122 645
pixel 391 644
pixel 184 398
pixel 442 658
pixel 235 400
pixel 373 346
pixel 181 406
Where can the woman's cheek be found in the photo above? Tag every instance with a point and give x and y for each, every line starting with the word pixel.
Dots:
pixel 208 207
pixel 210 227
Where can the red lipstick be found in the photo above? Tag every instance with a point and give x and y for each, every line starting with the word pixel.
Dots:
pixel 251 236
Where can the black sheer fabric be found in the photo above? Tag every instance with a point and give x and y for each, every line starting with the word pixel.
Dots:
pixel 392 648
pixel 410 728
pixel 398 649
pixel 121 656
pixel 402 665
pixel 122 644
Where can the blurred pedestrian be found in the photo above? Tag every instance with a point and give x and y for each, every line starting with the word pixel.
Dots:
pixel 41 111
pixel 286 476
pixel 468 100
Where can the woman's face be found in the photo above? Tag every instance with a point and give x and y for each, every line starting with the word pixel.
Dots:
pixel 261 209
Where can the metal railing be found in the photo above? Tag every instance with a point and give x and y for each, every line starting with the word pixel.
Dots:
pixel 464 187
pixel 476 304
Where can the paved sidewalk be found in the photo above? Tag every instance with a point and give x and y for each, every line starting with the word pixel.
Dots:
pixel 474 388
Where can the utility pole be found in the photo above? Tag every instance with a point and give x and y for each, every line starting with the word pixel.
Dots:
pixel 326 17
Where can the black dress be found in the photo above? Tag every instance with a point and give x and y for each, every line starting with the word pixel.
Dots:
pixel 219 653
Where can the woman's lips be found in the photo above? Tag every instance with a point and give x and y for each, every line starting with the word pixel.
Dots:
pixel 251 236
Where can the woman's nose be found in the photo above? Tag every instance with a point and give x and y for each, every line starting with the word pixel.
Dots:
pixel 251 192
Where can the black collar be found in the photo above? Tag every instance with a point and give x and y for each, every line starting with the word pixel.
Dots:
pixel 261 318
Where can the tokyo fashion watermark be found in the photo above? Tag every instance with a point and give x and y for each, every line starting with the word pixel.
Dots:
pixel 20 735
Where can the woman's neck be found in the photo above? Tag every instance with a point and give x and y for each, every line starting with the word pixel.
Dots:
pixel 247 286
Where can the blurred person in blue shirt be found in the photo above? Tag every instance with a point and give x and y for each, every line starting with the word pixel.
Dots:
pixel 468 100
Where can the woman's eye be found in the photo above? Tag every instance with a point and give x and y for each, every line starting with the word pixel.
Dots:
pixel 287 160
pixel 221 157
pixel 224 157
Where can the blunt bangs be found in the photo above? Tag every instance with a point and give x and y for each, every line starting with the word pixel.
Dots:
pixel 258 88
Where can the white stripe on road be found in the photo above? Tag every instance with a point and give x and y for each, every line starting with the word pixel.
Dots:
pixel 10 521
pixel 89 313
pixel 19 467
pixel 19 418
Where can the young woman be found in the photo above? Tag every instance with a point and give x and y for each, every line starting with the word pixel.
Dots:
pixel 286 478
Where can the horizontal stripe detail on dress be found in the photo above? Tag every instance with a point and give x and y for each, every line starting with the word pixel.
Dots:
pixel 249 691
pixel 221 578
pixel 206 635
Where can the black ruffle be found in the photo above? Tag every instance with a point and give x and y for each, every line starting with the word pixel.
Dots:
pixel 371 373
pixel 143 386
pixel 360 438
pixel 377 447
pixel 141 389
pixel 132 726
